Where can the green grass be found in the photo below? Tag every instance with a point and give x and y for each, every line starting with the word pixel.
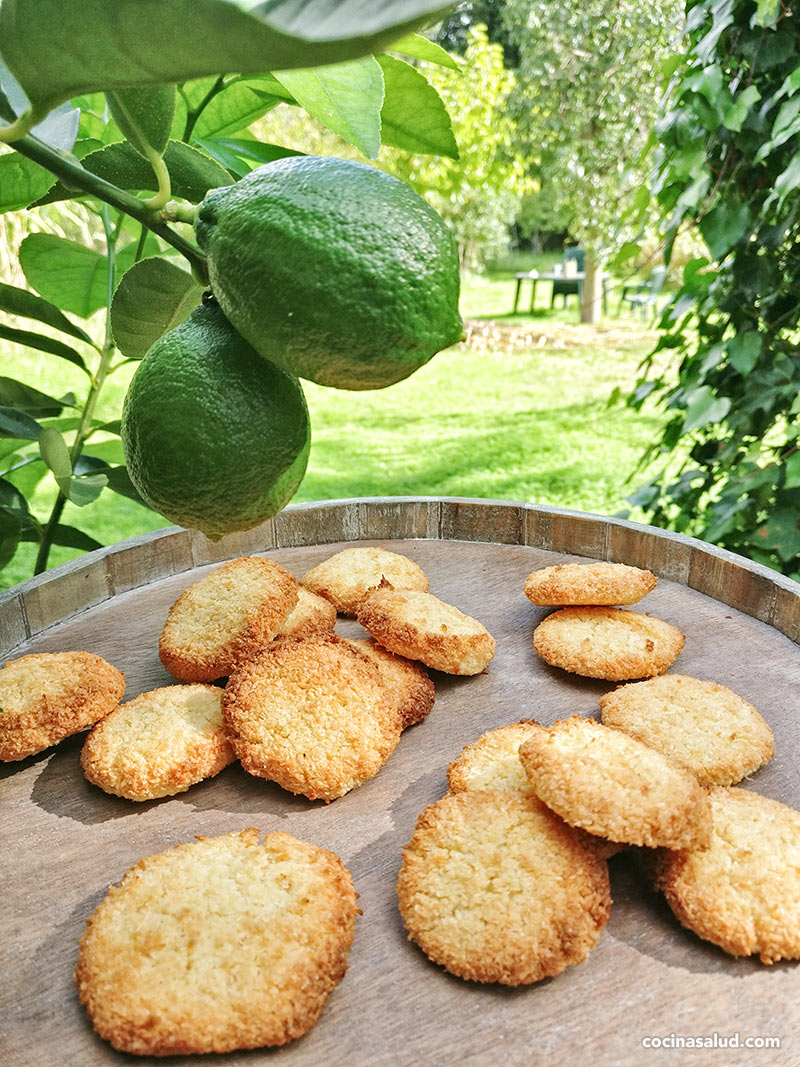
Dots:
pixel 507 422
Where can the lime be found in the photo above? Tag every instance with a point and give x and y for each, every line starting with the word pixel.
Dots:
pixel 332 269
pixel 215 438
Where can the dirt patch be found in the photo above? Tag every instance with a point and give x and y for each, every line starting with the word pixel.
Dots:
pixel 491 335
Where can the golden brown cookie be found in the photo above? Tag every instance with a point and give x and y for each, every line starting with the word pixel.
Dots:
pixel 311 615
pixel 743 891
pixel 216 945
pixel 312 715
pixel 496 888
pixel 607 643
pixel 612 785
pixel 225 617
pixel 345 577
pixel 159 744
pixel 420 626
pixel 704 726
pixel 47 696
pixel 408 683
pixel 588 583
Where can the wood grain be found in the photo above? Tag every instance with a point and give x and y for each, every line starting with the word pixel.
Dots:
pixel 64 841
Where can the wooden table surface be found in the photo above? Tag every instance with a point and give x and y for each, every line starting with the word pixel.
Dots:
pixel 64 842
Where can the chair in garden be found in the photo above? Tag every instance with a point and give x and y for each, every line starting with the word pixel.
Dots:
pixel 645 295
pixel 568 286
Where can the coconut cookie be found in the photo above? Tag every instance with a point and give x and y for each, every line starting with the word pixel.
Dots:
pixel 216 945
pixel 47 696
pixel 312 715
pixel 311 615
pixel 704 726
pixel 614 786
pixel 420 626
pixel 607 643
pixel 408 683
pixel 225 617
pixel 588 583
pixel 496 888
pixel 743 891
pixel 159 744
pixel 345 577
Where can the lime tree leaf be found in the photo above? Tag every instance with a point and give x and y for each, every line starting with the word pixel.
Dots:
pixel 22 181
pixel 152 297
pixel 19 425
pixel 67 537
pixel 10 530
pixel 239 104
pixel 58 129
pixel 782 533
pixel 144 115
pixel 28 305
pixel 149 42
pixel 724 226
pixel 740 108
pixel 54 452
pixel 119 481
pixel 413 116
pixel 43 344
pixel 25 398
pixel 419 47
pixel 345 97
pixel 743 351
pixel 240 157
pixel 704 406
pixel 65 272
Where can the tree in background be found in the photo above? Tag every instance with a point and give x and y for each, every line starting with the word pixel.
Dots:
pixel 585 102
pixel 730 162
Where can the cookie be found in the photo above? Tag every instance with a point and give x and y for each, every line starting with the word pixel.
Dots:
pixel 311 615
pixel 226 617
pixel 408 683
pixel 496 888
pixel 608 643
pixel 743 891
pixel 345 577
pixel 612 785
pixel 158 744
pixel 216 945
pixel 312 715
pixel 704 726
pixel 420 626
pixel 588 583
pixel 47 696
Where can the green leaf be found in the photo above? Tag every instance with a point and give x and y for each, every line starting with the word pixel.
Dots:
pixel 57 49
pixel 792 469
pixel 781 532
pixel 25 398
pixel 743 351
pixel 85 488
pixel 240 157
pixel 788 179
pixel 17 424
pixel 413 116
pixel 630 250
pixel 345 97
pixel 66 273
pixel 145 116
pixel 724 226
pixel 43 344
pixel 54 452
pixel 766 13
pixel 30 306
pixel 22 181
pixel 119 480
pixel 740 108
pixel 419 47
pixel 704 407
pixel 238 105
pixel 152 297
pixel 9 536
pixel 70 537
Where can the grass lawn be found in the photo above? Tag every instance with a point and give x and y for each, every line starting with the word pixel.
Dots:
pixel 518 412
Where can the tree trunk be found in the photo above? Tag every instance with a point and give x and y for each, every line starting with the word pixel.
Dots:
pixel 591 302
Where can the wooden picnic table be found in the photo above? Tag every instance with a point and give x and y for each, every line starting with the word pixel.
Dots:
pixel 535 276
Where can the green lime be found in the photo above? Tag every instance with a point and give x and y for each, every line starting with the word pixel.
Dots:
pixel 215 438
pixel 332 269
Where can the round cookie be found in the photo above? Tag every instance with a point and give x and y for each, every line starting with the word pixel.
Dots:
pixel 158 744
pixel 225 617
pixel 608 643
pixel 345 577
pixel 216 945
pixel 47 696
pixel 743 891
pixel 588 583
pixel 496 888
pixel 408 683
pixel 420 626
pixel 312 715
pixel 311 615
pixel 612 785
pixel 702 725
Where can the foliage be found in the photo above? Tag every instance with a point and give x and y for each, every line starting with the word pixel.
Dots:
pixel 453 32
pixel 730 162
pixel 103 122
pixel 478 193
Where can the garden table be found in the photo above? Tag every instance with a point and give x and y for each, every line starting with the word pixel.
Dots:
pixel 534 277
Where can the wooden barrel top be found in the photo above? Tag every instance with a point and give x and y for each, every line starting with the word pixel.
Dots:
pixel 65 841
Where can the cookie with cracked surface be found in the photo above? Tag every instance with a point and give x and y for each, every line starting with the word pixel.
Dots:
pixel 158 744
pixel 222 943
pixel 496 888
pixel 419 626
pixel 743 891
pixel 312 715
pixel 588 583
pixel 612 785
pixel 702 725
pixel 311 615
pixel 346 576
pixel 408 683
pixel 608 643
pixel 48 696
pixel 225 617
